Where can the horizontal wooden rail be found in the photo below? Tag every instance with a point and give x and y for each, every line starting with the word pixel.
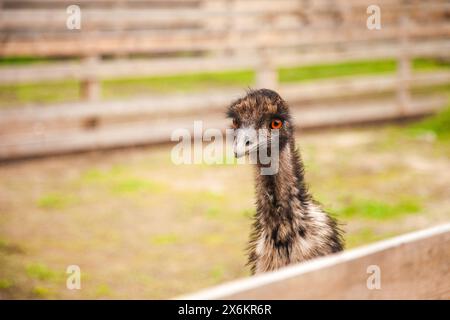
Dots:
pixel 412 266
pixel 203 40
pixel 104 132
pixel 74 114
pixel 173 66
pixel 272 14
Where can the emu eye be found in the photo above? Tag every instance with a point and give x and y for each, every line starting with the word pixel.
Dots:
pixel 235 123
pixel 276 124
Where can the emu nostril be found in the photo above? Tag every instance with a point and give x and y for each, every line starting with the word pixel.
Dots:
pixel 247 143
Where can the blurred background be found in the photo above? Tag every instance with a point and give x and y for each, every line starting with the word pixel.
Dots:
pixel 86 116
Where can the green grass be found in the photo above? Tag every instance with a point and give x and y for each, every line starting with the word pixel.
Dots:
pixel 176 83
pixel 40 271
pixel 5 284
pixel 134 185
pixel 41 292
pixel 95 175
pixel 61 91
pixel 213 212
pixel 120 181
pixel 217 272
pixel 364 236
pixel 55 200
pixel 421 64
pixel 39 93
pixel 3 244
pixel 165 239
pixel 378 210
pixel 103 290
pixel 22 60
pixel 307 73
pixel 437 125
pixel 213 239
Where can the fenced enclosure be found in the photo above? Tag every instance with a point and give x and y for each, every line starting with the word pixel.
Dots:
pixel 130 38
pixel 412 266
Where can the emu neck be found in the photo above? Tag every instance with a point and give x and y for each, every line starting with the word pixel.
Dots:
pixel 283 196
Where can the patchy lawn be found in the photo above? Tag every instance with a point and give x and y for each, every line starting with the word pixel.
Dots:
pixel 140 227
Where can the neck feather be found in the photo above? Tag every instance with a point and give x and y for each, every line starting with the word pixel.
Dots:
pixel 283 195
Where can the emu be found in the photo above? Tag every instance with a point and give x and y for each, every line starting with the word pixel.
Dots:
pixel 289 225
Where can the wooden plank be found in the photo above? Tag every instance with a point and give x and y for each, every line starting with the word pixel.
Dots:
pixel 27 26
pixel 73 115
pixel 54 20
pixel 240 5
pixel 363 51
pixel 247 4
pixel 98 3
pixel 158 104
pixel 330 114
pixel 201 40
pixel 354 86
pixel 125 135
pixel 255 14
pixel 210 101
pixel 174 66
pixel 412 266
pixel 124 68
pixel 158 129
pixel 79 115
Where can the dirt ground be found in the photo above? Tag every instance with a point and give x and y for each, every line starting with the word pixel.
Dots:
pixel 139 226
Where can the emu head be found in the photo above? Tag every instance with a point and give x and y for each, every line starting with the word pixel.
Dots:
pixel 258 118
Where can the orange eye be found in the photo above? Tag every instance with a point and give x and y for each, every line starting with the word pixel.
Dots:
pixel 235 123
pixel 276 124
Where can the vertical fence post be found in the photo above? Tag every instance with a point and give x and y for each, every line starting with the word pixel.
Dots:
pixel 90 85
pixel 404 67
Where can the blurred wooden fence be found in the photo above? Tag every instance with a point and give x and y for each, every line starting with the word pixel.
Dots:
pixel 133 38
pixel 411 266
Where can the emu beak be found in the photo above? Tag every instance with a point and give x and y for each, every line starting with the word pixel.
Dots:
pixel 246 141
